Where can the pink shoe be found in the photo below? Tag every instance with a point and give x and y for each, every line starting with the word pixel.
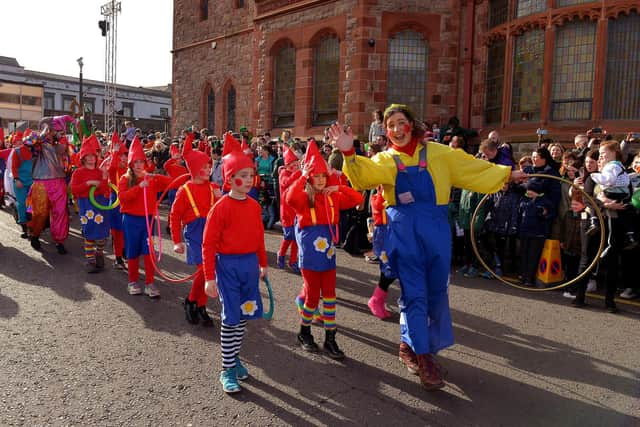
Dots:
pixel 376 304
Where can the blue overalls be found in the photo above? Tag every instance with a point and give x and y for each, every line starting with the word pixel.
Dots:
pixel 419 248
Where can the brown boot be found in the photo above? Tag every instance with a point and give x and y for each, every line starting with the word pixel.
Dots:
pixel 430 375
pixel 408 357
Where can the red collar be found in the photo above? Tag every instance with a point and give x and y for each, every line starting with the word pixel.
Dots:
pixel 408 149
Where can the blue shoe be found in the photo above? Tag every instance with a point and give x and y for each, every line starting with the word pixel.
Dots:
pixel 294 267
pixel 242 373
pixel 281 262
pixel 229 381
pixel 487 275
pixel 471 273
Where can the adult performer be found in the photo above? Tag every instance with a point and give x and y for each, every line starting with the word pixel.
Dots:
pixel 417 178
pixel 49 189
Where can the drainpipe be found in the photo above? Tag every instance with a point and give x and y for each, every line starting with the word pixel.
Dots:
pixel 468 62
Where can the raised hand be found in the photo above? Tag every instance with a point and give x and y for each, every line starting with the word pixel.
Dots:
pixel 343 138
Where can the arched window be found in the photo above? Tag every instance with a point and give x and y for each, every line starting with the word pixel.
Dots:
pixel 326 77
pixel 573 66
pixel 211 110
pixel 231 108
pixel 495 81
pixel 622 85
pixel 284 87
pixel 407 76
pixel 528 70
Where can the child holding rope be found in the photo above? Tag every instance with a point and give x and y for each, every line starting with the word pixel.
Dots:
pixel 117 168
pixel 94 220
pixel 234 259
pixel 188 214
pixel 286 176
pixel 137 191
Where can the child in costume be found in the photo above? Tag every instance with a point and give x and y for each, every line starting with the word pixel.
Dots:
pixel 287 175
pixel 94 221
pixel 174 167
pixel 21 164
pixel 234 259
pixel 417 178
pixel 380 230
pixel 317 208
pixel 117 168
pixel 188 214
pixel 131 191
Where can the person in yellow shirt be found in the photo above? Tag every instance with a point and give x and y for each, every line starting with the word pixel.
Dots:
pixel 417 178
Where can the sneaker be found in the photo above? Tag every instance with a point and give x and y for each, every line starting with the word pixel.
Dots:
pixel 628 294
pixel 134 288
pixel 294 267
pixel 281 262
pixel 487 275
pixel 151 290
pixel 229 381
pixel 242 373
pixel 471 273
pixel 61 249
pixel 592 286
pixel 569 295
pixel 119 264
pixel 372 259
pixel 35 243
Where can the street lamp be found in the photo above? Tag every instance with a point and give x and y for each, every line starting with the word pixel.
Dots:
pixel 80 63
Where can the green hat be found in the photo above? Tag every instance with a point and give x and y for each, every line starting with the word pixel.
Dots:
pixel 243 129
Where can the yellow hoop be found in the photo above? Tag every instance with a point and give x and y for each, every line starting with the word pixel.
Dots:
pixel 598 212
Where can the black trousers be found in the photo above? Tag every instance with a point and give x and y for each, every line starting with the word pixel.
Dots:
pixel 530 251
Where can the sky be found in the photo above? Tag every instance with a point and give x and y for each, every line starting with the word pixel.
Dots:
pixel 49 36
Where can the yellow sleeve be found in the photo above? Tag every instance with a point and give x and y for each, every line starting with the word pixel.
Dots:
pixel 367 173
pixel 477 175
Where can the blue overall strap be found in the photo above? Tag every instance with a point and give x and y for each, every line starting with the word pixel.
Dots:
pixel 422 162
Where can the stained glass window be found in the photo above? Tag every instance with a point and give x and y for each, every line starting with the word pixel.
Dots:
pixel 495 82
pixel 528 7
pixel 622 85
pixel 211 110
pixel 326 78
pixel 284 87
pixel 407 76
pixel 573 67
pixel 498 11
pixel 231 109
pixel 528 67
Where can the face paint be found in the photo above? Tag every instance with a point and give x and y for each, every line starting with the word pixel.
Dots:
pixel 389 134
pixel 238 182
pixel 407 128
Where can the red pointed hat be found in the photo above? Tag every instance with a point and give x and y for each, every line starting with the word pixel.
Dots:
pixel 90 145
pixel 312 157
pixel 16 136
pixel 194 159
pixel 135 151
pixel 174 149
pixel 288 155
pixel 234 162
pixel 230 144
pixel 117 146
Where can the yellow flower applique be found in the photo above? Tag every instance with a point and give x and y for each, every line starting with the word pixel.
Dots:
pixel 331 252
pixel 321 244
pixel 383 257
pixel 249 307
pixel 90 214
pixel 83 220
pixel 99 219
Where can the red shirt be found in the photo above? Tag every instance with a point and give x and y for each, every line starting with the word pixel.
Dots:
pixel 174 169
pixel 132 199
pixel 377 209
pixel 286 178
pixel 233 227
pixel 115 172
pixel 183 213
pixel 18 157
pixel 79 187
pixel 344 198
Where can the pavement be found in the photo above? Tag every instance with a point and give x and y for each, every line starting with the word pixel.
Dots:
pixel 76 349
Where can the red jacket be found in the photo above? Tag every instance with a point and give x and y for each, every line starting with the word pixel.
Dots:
pixel 174 169
pixel 183 213
pixel 286 178
pixel 327 208
pixel 79 187
pixel 132 199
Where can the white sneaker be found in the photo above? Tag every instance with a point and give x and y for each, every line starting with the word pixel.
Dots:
pixel 152 290
pixel 569 295
pixel 628 294
pixel 134 288
pixel 592 286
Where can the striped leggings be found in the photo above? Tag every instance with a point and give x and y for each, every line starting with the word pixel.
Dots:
pixel 230 343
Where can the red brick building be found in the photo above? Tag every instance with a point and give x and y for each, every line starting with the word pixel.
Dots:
pixel 512 65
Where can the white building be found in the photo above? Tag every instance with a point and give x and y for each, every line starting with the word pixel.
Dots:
pixel 149 108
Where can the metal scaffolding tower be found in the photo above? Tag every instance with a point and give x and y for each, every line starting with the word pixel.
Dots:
pixel 109 29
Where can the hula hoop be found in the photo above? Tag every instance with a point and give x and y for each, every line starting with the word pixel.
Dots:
pixel 113 205
pixel 267 315
pixel 176 182
pixel 590 267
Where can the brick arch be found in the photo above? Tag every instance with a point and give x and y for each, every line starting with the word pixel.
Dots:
pixel 280 44
pixel 409 25
pixel 316 37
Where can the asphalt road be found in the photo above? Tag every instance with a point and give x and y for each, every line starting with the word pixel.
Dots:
pixel 76 349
